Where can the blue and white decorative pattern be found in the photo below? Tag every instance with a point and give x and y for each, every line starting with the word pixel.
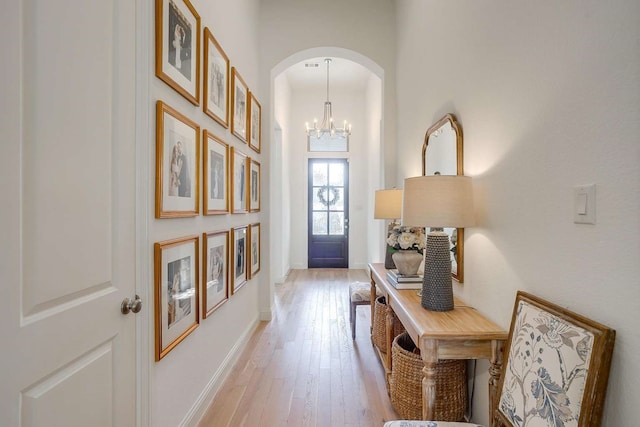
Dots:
pixel 546 370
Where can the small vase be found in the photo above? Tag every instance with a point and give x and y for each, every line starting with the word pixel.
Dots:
pixel 407 261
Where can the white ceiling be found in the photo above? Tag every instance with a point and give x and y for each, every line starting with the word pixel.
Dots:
pixel 342 72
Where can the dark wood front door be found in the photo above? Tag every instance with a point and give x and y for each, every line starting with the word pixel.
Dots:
pixel 328 216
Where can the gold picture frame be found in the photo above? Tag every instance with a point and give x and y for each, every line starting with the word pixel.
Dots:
pixel 177 164
pixel 215 100
pixel 239 106
pixel 239 178
pixel 178 47
pixel 215 271
pixel 255 123
pixel 254 185
pixel 176 292
pixel 215 175
pixel 254 249
pixel 238 264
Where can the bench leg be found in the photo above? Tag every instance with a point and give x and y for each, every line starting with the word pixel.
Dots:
pixel 352 320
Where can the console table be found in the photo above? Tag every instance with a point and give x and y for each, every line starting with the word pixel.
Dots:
pixel 462 333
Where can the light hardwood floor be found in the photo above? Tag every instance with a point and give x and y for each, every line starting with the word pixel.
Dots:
pixel 302 368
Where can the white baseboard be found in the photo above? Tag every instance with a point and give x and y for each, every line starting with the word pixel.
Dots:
pixel 283 279
pixel 267 315
pixel 207 395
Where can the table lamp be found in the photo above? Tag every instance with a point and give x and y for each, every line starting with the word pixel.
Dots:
pixel 388 205
pixel 438 201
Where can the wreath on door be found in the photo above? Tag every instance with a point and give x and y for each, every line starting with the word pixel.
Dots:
pixel 332 193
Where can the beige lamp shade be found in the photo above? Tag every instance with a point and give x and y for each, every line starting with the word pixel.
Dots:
pixel 438 201
pixel 388 204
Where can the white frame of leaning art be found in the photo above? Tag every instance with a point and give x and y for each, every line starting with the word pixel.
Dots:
pixel 176 319
pixel 184 78
pixel 175 133
pixel 255 123
pixel 239 181
pixel 254 249
pixel 239 111
pixel 255 182
pixel 215 177
pixel 239 237
pixel 216 80
pixel 215 271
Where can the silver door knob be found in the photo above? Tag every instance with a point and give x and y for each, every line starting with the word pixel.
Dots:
pixel 131 305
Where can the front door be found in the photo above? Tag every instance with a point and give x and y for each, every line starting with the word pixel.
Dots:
pixel 68 246
pixel 328 216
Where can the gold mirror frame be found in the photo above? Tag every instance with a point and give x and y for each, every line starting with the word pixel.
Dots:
pixel 434 130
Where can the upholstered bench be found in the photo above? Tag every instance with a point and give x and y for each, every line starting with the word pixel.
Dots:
pixel 359 294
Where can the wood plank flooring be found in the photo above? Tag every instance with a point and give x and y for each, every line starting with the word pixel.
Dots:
pixel 302 368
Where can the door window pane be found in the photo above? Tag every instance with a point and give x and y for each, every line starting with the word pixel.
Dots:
pixel 336 223
pixel 338 195
pixel 336 174
pixel 319 193
pixel 320 223
pixel 319 174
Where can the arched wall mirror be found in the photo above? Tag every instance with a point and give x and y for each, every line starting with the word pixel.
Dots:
pixel 442 154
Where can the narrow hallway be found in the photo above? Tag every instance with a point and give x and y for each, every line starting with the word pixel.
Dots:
pixel 302 368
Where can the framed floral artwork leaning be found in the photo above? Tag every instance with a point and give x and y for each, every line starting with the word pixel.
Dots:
pixel 215 102
pixel 178 47
pixel 176 292
pixel 239 178
pixel 254 249
pixel 255 123
pixel 215 177
pixel 215 271
pixel 239 106
pixel 254 186
pixel 239 274
pixel 557 366
pixel 177 164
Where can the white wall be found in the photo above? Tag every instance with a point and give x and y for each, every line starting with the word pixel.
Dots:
pixel 548 95
pixel 281 179
pixel 184 380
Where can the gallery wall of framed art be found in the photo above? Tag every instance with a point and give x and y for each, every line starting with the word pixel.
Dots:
pixel 207 176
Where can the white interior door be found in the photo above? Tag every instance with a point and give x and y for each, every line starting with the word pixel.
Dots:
pixel 67 251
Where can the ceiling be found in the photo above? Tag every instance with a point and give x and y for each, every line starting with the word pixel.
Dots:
pixel 342 72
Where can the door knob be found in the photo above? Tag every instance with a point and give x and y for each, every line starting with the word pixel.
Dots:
pixel 131 305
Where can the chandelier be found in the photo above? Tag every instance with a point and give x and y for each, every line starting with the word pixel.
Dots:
pixel 327 127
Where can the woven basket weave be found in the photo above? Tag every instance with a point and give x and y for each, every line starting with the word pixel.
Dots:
pixel 405 383
pixel 379 336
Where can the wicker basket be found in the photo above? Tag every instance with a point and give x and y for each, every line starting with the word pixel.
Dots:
pixel 379 334
pixel 406 383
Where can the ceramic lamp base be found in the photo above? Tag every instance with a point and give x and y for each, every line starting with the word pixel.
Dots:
pixel 437 291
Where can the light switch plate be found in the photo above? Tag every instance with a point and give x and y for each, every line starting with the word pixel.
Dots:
pixel 584 204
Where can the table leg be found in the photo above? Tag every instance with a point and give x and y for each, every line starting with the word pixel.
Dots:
pixel 389 339
pixel 429 352
pixel 494 378
pixel 372 298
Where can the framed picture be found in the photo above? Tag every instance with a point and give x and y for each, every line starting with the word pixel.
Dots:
pixel 178 47
pixel 215 181
pixel 255 126
pixel 239 177
pixel 254 249
pixel 254 186
pixel 215 271
pixel 557 366
pixel 215 101
pixel 239 106
pixel 239 258
pixel 176 292
pixel 177 164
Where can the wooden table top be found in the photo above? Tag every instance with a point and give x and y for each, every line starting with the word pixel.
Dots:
pixel 462 323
